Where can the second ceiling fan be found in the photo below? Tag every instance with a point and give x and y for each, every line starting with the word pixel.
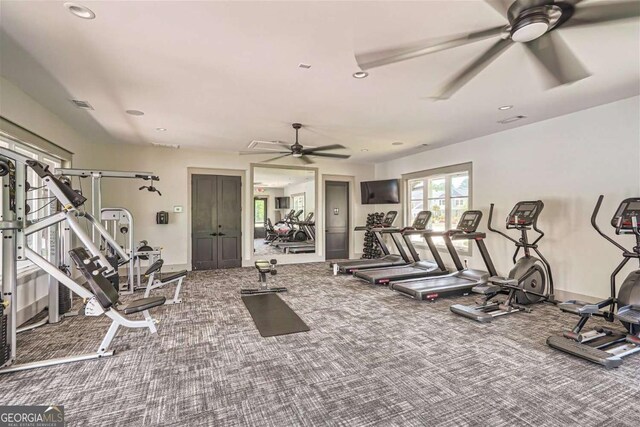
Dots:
pixel 298 151
pixel 532 23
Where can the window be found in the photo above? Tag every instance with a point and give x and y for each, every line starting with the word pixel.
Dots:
pixel 259 212
pixel 39 200
pixel 297 201
pixel 446 193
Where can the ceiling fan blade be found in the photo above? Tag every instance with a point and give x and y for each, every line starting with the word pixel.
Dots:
pixel 275 158
pixel 598 13
pixel 369 60
pixel 249 153
pixel 558 60
pixel 501 6
pixel 323 148
pixel 306 160
pixel 474 68
pixel 335 156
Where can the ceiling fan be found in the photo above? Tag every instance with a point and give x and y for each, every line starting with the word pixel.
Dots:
pixel 531 23
pixel 298 151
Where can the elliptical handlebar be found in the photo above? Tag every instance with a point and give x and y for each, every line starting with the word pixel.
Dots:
pixel 594 215
pixel 497 231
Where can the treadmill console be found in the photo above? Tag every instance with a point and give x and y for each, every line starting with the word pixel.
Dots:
pixel 469 221
pixel 389 218
pixel 524 214
pixel 622 221
pixel 421 221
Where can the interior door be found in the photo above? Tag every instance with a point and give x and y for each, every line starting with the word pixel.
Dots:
pixel 229 222
pixel 204 222
pixel 259 217
pixel 215 222
pixel 336 216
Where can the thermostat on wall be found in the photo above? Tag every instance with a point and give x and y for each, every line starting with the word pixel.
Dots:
pixel 177 209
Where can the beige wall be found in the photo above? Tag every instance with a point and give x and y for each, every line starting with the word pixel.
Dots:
pixel 171 165
pixel 566 162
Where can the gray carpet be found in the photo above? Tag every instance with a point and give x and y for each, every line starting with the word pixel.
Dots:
pixel 371 358
pixel 260 248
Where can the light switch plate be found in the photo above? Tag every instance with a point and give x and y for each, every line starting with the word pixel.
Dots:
pixel 177 209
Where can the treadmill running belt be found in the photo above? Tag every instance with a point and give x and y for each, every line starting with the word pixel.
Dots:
pixel 273 316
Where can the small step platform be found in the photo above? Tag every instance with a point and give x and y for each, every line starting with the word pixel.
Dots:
pixel 584 351
pixel 629 314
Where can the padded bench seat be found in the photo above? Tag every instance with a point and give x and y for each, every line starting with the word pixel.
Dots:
pixel 143 304
pixel 173 276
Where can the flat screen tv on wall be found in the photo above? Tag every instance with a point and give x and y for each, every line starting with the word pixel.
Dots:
pixel 380 192
pixel 282 203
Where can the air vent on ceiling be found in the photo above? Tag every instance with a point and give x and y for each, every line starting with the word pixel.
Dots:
pixel 82 104
pixel 303 65
pixel 155 144
pixel 511 119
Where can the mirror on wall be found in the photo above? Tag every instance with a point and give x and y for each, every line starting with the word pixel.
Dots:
pixel 283 211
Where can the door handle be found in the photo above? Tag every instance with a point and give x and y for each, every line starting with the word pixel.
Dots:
pixel 213 234
pixel 221 234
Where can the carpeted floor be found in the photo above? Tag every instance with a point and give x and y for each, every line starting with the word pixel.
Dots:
pixel 371 358
pixel 260 248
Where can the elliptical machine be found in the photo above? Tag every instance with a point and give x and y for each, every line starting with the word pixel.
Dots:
pixel 529 281
pixel 604 346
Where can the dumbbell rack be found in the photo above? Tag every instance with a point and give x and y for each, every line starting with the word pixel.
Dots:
pixel 371 249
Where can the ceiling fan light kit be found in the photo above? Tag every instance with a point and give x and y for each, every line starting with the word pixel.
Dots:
pixel 531 23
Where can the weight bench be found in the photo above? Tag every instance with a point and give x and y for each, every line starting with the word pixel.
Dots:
pixel 159 281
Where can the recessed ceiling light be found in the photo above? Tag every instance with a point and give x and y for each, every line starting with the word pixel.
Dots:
pixel 397 143
pixel 360 74
pixel 364 150
pixel 79 10
pixel 161 129
pixel 505 107
pixel 135 112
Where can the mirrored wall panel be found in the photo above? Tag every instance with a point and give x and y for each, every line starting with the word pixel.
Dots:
pixel 283 211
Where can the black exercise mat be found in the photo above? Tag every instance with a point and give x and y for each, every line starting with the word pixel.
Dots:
pixel 273 316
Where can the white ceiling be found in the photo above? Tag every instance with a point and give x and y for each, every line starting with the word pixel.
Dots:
pixel 220 74
pixel 280 178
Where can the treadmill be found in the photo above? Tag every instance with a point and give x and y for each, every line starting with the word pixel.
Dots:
pixel 388 259
pixel 417 270
pixel 463 280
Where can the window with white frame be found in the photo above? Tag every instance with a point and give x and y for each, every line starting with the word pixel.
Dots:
pixel 297 202
pixel 40 202
pixel 446 192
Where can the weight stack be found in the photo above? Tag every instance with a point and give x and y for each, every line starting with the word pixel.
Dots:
pixel 5 349
pixel 64 299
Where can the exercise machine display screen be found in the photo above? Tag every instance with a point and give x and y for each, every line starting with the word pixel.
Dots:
pixel 628 209
pixel 524 213
pixel 469 221
pixel 389 219
pixel 420 223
